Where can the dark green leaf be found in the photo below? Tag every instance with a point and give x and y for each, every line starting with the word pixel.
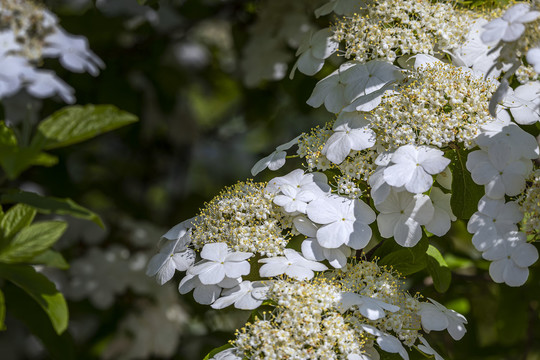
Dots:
pixel 465 192
pixel 16 160
pixel 48 205
pixel 7 136
pixel 2 311
pixel 50 258
pixel 438 269
pixel 74 124
pixel 22 306
pixel 14 220
pixel 31 241
pixel 42 290
pixel 408 260
pixel 217 350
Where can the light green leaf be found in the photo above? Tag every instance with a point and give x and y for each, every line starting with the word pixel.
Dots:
pixel 438 269
pixel 50 258
pixel 31 241
pixel 21 305
pixel 42 290
pixel 74 124
pixel 48 205
pixel 212 353
pixel 14 220
pixel 7 136
pixel 2 311
pixel 465 192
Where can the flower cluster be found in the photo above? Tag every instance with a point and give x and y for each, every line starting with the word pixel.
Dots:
pixel 391 28
pixel 404 118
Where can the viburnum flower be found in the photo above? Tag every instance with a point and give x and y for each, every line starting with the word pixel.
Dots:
pixel 442 216
pixel 386 341
pixel 401 215
pixel 205 294
pixel 351 132
pixel 218 262
pixel 494 218
pixel 275 160
pixel 521 143
pixel 533 58
pixel 435 316
pixel 511 255
pixel 427 349
pixel 293 200
pixel 345 221
pixel 227 354
pixel 245 296
pixel 371 308
pixel 173 256
pixel 527 103
pixel 312 52
pixel 330 91
pixel 510 27
pixel 292 264
pixel 498 170
pixel 316 182
pixel 413 167
pixel 312 250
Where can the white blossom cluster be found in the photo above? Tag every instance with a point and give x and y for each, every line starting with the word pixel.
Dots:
pixel 30 33
pixel 420 96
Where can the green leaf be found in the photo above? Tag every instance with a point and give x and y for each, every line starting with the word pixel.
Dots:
pixel 438 269
pixel 74 124
pixel 48 205
pixel 2 311
pixel 465 192
pixel 7 136
pixel 42 290
pixel 217 350
pixel 50 258
pixel 14 220
pixel 22 306
pixel 15 160
pixel 31 241
pixel 408 260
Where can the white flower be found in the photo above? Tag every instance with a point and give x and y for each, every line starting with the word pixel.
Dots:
pixel 521 143
pixel 386 342
pixel 219 263
pixel 436 316
pixel 369 354
pixel 493 219
pixel 316 183
pixel 345 221
pixel 168 260
pixel 245 296
pixel 427 349
pixel 371 308
pixel 401 215
pixel 474 53
pixel 293 199
pixel 511 256
pixel 510 26
pixel 313 50
pixel 363 79
pixel 205 294
pixel 498 170
pixel 275 160
pixel 414 166
pixel 351 132
pixel 380 188
pixel 292 264
pixel 442 216
pixel 44 83
pixel 181 231
pixel 312 250
pixel 228 354
pixel 526 111
pixel 73 52
pixel 533 58
pixel 330 91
